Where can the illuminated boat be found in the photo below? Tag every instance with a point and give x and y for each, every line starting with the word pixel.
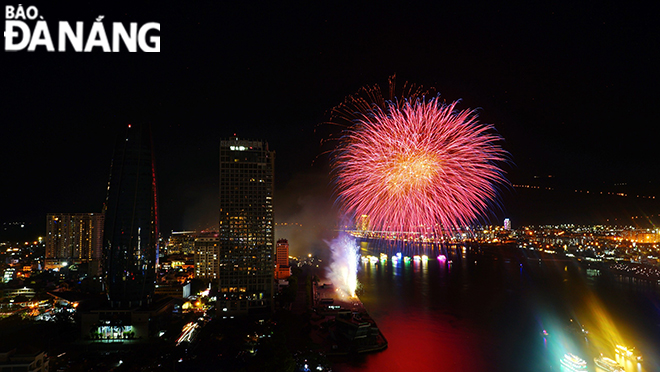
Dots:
pixel 628 353
pixel 573 363
pixel 607 364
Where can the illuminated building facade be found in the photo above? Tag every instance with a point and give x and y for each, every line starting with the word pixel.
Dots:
pixel 74 238
pixel 207 254
pixel 507 224
pixel 362 223
pixel 130 243
pixel 282 269
pixel 643 237
pixel 246 226
pixel 9 274
pixel 181 242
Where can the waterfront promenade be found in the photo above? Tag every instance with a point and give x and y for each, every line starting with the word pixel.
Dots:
pixel 341 324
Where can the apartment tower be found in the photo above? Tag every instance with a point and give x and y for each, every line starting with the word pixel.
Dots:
pixel 245 236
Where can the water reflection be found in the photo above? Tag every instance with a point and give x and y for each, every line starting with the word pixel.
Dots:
pixel 480 310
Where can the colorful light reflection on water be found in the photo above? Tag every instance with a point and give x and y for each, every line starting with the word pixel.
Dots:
pixel 478 313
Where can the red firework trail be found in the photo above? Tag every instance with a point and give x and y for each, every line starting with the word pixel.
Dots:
pixel 417 165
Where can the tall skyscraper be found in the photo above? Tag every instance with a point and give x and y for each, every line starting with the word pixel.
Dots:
pixel 246 226
pixel 130 241
pixel 362 223
pixel 74 238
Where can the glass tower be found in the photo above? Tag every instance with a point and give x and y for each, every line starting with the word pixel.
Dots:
pixel 246 226
pixel 130 240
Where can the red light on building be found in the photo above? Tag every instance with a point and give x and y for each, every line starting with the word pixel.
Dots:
pixel 282 269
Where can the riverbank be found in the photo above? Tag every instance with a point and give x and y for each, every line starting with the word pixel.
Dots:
pixel 341 325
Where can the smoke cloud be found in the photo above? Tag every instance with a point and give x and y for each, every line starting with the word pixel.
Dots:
pixel 344 263
pixel 305 214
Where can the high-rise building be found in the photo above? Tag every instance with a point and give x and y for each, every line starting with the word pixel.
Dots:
pixel 130 240
pixel 507 224
pixel 362 223
pixel 207 255
pixel 246 226
pixel 282 269
pixel 74 238
pixel 181 242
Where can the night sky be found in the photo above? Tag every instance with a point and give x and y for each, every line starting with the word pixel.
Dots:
pixel 573 89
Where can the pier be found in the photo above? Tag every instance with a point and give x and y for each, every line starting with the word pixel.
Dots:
pixel 341 324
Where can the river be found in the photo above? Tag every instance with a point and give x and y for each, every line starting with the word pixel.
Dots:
pixel 479 311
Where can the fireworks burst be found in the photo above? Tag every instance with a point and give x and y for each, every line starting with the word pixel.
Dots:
pixel 416 165
pixel 344 263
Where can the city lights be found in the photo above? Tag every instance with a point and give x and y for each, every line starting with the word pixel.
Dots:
pixel 267 196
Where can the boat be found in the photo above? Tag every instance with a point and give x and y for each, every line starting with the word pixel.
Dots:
pixel 629 353
pixel 608 364
pixel 573 363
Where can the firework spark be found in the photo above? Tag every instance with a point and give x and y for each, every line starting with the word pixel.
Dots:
pixel 417 165
pixel 344 264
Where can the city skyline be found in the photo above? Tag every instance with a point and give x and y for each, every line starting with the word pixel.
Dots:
pixel 292 181
pixel 569 93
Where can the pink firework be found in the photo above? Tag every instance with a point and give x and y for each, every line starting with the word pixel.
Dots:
pixel 417 166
